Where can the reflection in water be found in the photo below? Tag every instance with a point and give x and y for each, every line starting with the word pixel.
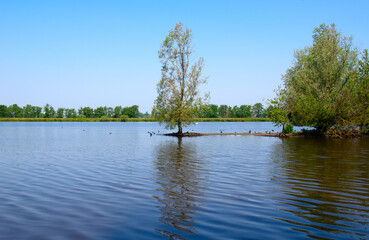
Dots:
pixel 324 185
pixel 179 170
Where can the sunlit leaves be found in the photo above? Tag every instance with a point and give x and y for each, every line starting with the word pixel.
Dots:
pixel 322 86
pixel 178 93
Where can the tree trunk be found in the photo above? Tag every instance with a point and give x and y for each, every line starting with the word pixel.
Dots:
pixel 179 128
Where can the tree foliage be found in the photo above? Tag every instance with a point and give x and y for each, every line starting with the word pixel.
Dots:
pixel 15 111
pixel 324 85
pixel 60 112
pixel 29 111
pixel 3 111
pixel 49 111
pixel 258 110
pixel 225 111
pixel 178 89
pixel 277 109
pixel 361 108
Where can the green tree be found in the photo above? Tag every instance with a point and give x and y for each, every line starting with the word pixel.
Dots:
pixel 208 111
pixel 4 111
pixel 245 111
pixel 178 90
pixel 49 111
pixel 258 110
pixel 99 112
pixel 86 111
pixel 213 111
pixel 361 108
pixel 319 85
pixel 224 111
pixel 131 112
pixel 268 111
pixel 70 113
pixel 36 112
pixel 236 112
pixel 145 115
pixel 27 111
pixel 117 111
pixel 15 111
pixel 108 111
pixel 277 109
pixel 60 113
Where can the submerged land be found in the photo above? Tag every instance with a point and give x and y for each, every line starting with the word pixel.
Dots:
pixel 194 134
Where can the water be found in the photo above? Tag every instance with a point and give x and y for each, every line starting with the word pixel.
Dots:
pixel 114 181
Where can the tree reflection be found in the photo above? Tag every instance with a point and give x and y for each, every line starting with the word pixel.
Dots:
pixel 179 170
pixel 324 181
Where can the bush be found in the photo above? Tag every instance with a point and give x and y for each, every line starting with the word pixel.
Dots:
pixel 104 118
pixel 123 118
pixel 288 128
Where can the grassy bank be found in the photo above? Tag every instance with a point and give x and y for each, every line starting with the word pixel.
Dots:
pixel 128 120
pixel 76 120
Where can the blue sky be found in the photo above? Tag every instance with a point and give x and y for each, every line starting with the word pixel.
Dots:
pixel 104 53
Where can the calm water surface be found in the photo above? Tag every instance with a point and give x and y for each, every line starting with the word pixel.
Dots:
pixel 114 181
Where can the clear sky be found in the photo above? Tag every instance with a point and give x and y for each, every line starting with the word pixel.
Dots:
pixel 104 53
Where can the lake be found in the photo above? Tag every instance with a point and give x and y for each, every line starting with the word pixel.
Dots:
pixel 113 181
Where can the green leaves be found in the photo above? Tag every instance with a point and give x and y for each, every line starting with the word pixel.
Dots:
pixel 178 93
pixel 326 85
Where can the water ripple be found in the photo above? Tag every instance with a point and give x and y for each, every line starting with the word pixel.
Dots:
pixel 60 182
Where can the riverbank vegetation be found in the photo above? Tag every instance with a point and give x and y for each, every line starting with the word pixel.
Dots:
pixel 129 120
pixel 205 113
pixel 326 88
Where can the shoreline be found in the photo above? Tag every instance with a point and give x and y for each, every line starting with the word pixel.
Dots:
pixel 269 134
pixel 129 120
pixel 194 134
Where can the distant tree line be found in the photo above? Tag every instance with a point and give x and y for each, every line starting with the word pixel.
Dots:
pixel 204 111
pixel 223 111
pixel 29 111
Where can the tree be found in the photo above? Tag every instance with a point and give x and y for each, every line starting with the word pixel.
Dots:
pixel 224 111
pixel 245 111
pixel 236 112
pixel 27 111
pixel 258 110
pixel 49 111
pixel 15 111
pixel 268 111
pixel 208 111
pixel 277 109
pixel 131 112
pixel 178 89
pixel 60 113
pixel 108 111
pixel 36 112
pixel 3 111
pixel 86 111
pixel 361 109
pixel 99 112
pixel 319 86
pixel 145 115
pixel 70 113
pixel 117 111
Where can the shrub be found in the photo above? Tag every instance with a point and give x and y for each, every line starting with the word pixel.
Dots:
pixel 288 128
pixel 123 118
pixel 104 118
